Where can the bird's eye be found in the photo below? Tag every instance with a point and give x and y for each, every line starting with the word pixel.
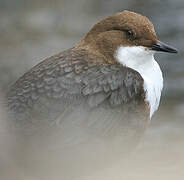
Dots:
pixel 130 34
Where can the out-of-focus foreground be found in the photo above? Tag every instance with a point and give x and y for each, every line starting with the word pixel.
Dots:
pixel 33 30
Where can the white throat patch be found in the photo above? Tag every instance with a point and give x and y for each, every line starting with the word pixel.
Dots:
pixel 141 60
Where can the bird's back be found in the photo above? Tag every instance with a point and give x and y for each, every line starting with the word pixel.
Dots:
pixel 66 103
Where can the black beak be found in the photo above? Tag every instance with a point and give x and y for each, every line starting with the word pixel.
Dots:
pixel 160 46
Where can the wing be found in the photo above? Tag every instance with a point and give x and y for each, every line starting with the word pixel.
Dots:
pixel 68 86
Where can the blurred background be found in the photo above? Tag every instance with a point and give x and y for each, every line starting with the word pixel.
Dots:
pixel 33 30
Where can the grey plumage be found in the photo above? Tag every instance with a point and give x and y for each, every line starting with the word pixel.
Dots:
pixel 69 93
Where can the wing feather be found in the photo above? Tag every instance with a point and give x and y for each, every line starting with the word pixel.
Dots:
pixel 66 81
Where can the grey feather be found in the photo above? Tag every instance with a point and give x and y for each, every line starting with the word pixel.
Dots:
pixel 49 88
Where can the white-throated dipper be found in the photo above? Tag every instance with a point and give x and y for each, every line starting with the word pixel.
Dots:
pixel 102 91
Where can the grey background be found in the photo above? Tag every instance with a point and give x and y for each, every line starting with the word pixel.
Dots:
pixel 33 30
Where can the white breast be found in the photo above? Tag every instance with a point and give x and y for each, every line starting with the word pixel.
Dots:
pixel 141 60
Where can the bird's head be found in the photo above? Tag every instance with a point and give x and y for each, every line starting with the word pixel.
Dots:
pixel 128 32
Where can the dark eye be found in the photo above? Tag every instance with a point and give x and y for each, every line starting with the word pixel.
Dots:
pixel 130 34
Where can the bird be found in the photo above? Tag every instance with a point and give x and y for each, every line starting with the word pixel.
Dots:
pixel 102 92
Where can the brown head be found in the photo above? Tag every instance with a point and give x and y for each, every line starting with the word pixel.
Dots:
pixel 124 29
